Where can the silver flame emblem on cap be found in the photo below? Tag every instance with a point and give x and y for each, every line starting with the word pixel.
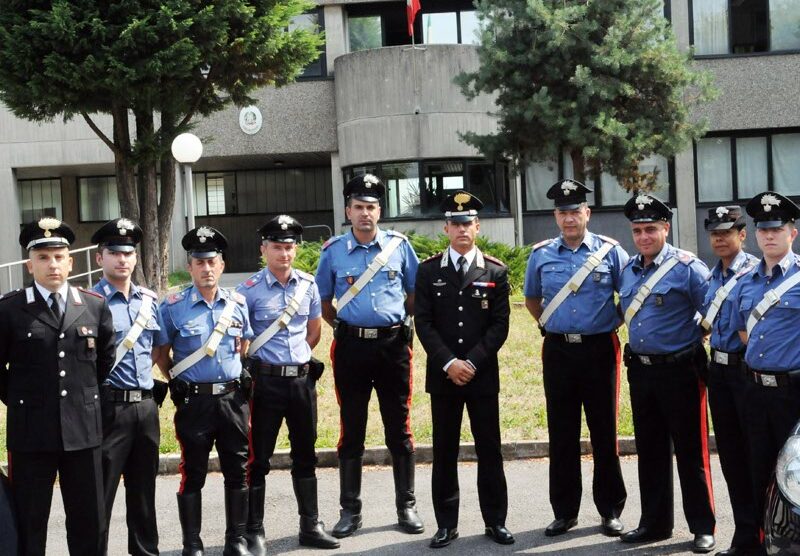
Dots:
pixel 204 233
pixel 643 200
pixel 768 201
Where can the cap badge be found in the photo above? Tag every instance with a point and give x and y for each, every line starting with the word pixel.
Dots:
pixel 461 199
pixel 204 233
pixel 721 212
pixel 284 221
pixel 49 224
pixel 768 201
pixel 568 187
pixel 370 180
pixel 643 200
pixel 124 226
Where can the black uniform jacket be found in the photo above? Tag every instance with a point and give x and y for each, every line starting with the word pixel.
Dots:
pixel 468 321
pixel 49 374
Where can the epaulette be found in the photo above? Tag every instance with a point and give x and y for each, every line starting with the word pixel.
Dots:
pixel 542 244
pixel 175 297
pixel 610 240
pixel 434 257
pixel 8 295
pixel 148 292
pixel 396 233
pixel 238 298
pixel 253 280
pixel 91 292
pixel 495 260
pixel 686 257
pixel 304 275
pixel 331 241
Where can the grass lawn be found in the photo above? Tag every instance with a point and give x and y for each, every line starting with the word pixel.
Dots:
pixel 522 403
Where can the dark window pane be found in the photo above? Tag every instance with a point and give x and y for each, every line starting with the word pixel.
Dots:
pixel 489 182
pixel 749 31
pixel 440 178
pixel 402 190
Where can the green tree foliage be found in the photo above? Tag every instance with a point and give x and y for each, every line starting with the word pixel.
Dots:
pixel 602 79
pixel 152 66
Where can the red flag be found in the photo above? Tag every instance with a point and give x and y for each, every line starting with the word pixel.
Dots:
pixel 412 7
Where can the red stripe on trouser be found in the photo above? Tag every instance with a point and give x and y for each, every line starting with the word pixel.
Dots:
pixel 338 397
pixel 704 442
pixel 617 356
pixel 182 464
pixel 251 457
pixel 410 393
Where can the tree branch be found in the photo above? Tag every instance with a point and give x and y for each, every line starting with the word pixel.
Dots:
pixel 100 134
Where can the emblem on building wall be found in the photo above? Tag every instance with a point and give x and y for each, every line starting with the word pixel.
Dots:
pixel 250 120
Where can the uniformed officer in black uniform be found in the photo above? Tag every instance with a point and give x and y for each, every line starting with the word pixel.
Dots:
pixel 131 432
pixel 462 315
pixel 372 346
pixel 284 306
pixel 58 343
pixel 205 326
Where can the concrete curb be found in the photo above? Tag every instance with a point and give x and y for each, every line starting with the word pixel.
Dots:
pixel 527 449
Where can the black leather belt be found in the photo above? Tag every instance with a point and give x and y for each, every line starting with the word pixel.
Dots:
pixel 129 396
pixel 576 338
pixel 725 358
pixel 367 333
pixel 666 358
pixel 771 380
pixel 212 388
pixel 288 371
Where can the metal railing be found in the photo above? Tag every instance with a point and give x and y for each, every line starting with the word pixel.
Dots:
pixel 88 274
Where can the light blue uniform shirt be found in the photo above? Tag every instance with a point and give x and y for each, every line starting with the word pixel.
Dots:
pixel 668 321
pixel 188 321
pixel 382 301
pixel 591 309
pixel 267 299
pixel 724 336
pixel 772 345
pixel 135 369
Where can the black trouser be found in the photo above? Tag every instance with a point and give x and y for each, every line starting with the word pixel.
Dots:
pixel 484 419
pixel 80 477
pixel 277 398
pixel 726 399
pixel 669 409
pixel 584 375
pixel 770 415
pixel 359 365
pixel 208 420
pixel 131 437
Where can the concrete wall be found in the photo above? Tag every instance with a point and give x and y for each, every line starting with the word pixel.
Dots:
pixel 397 104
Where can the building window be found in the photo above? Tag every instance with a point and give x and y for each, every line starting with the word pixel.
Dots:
pixel 416 189
pixel 97 196
pixel 364 32
pixel 312 21
pixel 38 198
pixel 737 167
pixel 540 176
pixel 745 26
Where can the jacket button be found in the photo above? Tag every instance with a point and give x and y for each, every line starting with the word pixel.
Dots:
pixel 461 340
pixel 63 393
pixel 61 354
pixel 460 324
pixel 62 374
pixel 460 308
pixel 29 334
pixel 61 336
pixel 21 402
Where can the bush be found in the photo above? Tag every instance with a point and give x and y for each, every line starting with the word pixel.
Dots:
pixel 516 258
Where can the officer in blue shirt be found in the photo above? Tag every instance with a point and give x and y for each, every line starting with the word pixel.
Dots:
pixel 131 433
pixel 662 290
pixel 773 360
pixel 284 305
pixel 372 345
pixel 726 381
pixel 205 326
pixel 580 356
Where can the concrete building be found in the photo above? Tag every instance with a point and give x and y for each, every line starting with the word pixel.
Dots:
pixel 374 103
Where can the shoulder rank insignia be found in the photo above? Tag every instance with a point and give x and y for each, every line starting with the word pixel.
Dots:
pixel 331 241
pixel 434 257
pixel 304 275
pixel 542 244
pixel 148 292
pixel 84 290
pixel 610 240
pixel 396 233
pixel 253 280
pixel 494 260
pixel 9 295
pixel 685 256
pixel 238 298
pixel 175 297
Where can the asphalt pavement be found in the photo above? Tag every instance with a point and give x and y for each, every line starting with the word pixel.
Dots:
pixel 528 514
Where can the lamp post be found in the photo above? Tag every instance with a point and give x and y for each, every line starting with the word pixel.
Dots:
pixel 187 149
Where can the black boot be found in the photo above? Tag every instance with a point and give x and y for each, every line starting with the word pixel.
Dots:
pixel 312 530
pixel 191 518
pixel 349 498
pixel 235 523
pixel 256 538
pixel 407 517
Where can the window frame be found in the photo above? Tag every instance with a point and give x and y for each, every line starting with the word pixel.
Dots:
pixel 733 135
pixel 323 56
pixel 782 52
pixel 60 181
pixel 78 179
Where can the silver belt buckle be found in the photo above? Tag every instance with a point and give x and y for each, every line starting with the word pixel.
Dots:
pixel 721 357
pixel 134 395
pixel 573 338
pixel 369 333
pixel 768 380
pixel 645 360
pixel 218 388
pixel 290 370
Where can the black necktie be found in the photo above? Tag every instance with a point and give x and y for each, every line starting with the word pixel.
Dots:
pixel 55 306
pixel 462 267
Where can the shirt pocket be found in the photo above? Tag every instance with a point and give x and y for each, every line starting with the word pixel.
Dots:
pixel 192 335
pixel 266 312
pixel 32 334
pixel 554 276
pixel 391 272
pixel 347 276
